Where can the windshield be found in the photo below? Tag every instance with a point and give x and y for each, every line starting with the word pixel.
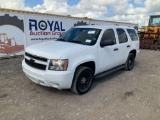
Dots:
pixel 154 21
pixel 85 36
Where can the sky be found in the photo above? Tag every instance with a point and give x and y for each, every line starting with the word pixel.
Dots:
pixel 130 11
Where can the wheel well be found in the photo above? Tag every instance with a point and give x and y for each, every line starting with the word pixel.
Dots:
pixel 90 64
pixel 134 52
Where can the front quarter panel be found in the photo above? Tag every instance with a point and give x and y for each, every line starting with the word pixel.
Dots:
pixel 81 56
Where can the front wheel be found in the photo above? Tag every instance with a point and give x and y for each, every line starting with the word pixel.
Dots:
pixel 130 62
pixel 82 80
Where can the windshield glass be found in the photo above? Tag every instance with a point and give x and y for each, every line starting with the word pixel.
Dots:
pixel 85 36
pixel 154 21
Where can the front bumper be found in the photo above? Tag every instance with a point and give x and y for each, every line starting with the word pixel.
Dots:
pixel 56 79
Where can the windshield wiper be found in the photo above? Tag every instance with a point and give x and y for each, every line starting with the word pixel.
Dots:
pixel 75 42
pixel 59 39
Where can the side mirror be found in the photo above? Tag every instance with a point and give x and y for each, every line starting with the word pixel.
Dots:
pixel 106 43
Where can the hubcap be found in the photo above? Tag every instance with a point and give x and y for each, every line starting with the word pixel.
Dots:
pixel 85 81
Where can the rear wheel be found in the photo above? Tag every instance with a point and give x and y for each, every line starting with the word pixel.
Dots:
pixel 130 62
pixel 82 80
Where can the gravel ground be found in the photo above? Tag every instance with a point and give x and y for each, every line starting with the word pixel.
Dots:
pixel 124 95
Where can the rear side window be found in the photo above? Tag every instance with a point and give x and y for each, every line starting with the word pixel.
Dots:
pixel 122 35
pixel 132 34
pixel 109 35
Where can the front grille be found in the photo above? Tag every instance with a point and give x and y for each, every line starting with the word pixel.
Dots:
pixel 35 65
pixel 36 57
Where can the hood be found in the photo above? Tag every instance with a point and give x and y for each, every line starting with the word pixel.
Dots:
pixel 54 49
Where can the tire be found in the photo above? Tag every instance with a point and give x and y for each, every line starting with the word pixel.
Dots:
pixel 130 62
pixel 82 81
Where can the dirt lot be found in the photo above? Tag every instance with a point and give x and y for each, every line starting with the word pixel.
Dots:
pixel 133 95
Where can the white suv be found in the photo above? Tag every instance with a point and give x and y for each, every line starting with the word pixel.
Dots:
pixel 79 55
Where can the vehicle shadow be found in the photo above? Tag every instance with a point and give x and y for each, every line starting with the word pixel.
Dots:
pixel 109 77
pixel 51 90
pixel 105 78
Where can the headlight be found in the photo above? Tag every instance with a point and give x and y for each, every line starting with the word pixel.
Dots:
pixel 58 65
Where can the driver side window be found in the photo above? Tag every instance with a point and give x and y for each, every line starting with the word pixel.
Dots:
pixel 108 35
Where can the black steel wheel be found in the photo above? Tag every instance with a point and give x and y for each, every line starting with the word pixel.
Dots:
pixel 82 80
pixel 130 62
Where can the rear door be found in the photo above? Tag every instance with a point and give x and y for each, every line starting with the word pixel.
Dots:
pixel 124 45
pixel 108 55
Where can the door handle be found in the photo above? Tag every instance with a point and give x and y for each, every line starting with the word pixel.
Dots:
pixel 116 49
pixel 128 46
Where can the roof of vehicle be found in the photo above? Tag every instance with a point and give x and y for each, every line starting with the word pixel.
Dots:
pixel 154 15
pixel 102 26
